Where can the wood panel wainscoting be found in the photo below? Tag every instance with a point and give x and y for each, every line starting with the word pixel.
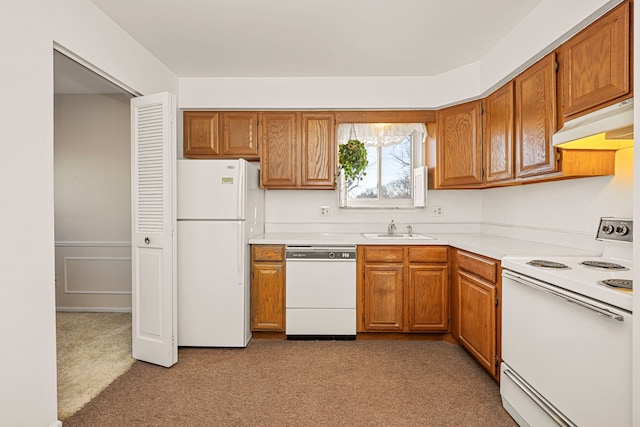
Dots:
pixel 93 276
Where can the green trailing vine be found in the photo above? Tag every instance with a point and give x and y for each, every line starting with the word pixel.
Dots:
pixel 352 157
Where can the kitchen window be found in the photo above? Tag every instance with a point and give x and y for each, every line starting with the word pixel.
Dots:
pixel 394 151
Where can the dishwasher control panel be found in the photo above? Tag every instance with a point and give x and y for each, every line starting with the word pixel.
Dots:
pixel 321 253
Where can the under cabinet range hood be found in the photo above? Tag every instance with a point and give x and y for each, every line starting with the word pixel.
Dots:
pixel 608 128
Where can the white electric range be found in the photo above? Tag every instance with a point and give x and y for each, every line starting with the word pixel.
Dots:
pixel 566 334
pixel 607 278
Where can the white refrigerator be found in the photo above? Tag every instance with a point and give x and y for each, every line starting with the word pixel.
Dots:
pixel 220 207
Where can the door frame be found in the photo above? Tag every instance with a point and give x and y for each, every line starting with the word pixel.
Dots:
pixel 57 47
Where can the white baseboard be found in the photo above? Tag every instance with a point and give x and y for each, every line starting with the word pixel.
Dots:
pixel 95 309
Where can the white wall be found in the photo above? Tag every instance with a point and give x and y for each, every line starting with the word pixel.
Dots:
pixel 299 211
pixel 92 176
pixel 29 29
pixel 331 92
pixel 565 211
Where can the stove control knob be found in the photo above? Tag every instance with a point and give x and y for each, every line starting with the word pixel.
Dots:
pixel 622 230
pixel 607 228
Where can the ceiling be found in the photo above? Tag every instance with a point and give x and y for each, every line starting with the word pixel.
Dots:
pixel 304 38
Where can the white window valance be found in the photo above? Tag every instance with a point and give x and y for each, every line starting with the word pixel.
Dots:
pixel 378 134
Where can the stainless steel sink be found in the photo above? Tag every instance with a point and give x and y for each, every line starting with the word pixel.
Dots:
pixel 412 236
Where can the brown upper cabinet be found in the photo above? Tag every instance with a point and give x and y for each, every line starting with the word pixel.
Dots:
pixel 279 135
pixel 318 150
pixel 595 65
pixel 475 141
pixel 201 133
pixel 240 134
pixel 459 146
pixel 535 118
pixel 297 150
pixel 498 128
pixel 536 157
pixel 214 134
pixel 506 138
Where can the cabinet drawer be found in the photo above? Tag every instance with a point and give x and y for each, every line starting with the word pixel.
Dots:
pixel 428 254
pixel 485 268
pixel 268 253
pixel 384 254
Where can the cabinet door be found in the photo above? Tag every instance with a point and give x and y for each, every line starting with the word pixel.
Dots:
pixel 428 298
pixel 383 300
pixel 460 145
pixel 477 319
pixel 201 134
pixel 535 118
pixel 240 135
pixel 267 296
pixel 278 150
pixel 498 135
pixel 596 63
pixel 318 150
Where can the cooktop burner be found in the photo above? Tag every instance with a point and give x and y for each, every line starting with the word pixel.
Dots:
pixel 548 264
pixel 604 265
pixel 617 283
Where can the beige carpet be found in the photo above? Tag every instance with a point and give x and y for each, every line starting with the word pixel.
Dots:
pixel 360 383
pixel 93 350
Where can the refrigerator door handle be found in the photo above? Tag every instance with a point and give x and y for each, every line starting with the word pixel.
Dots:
pixel 240 257
pixel 241 187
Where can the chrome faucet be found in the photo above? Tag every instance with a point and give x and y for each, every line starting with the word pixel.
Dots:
pixel 391 228
pixel 410 230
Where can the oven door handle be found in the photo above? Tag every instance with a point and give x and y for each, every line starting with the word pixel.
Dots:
pixel 597 310
pixel 540 402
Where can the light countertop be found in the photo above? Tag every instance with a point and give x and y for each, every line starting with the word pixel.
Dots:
pixel 488 245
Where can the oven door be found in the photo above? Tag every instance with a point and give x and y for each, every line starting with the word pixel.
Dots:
pixel 571 355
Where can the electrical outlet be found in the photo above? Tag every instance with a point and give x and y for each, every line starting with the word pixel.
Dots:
pixel 324 210
pixel 437 211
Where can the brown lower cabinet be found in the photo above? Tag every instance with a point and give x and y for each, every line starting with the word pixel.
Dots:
pixel 267 288
pixel 476 308
pixel 403 288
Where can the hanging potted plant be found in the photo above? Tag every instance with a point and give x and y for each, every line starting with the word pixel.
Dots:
pixel 352 159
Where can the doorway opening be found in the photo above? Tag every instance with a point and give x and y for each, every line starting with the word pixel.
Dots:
pixel 92 198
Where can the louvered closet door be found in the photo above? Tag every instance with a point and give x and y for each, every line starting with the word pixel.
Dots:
pixel 153 162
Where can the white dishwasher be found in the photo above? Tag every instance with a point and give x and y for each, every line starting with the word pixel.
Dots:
pixel 320 292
